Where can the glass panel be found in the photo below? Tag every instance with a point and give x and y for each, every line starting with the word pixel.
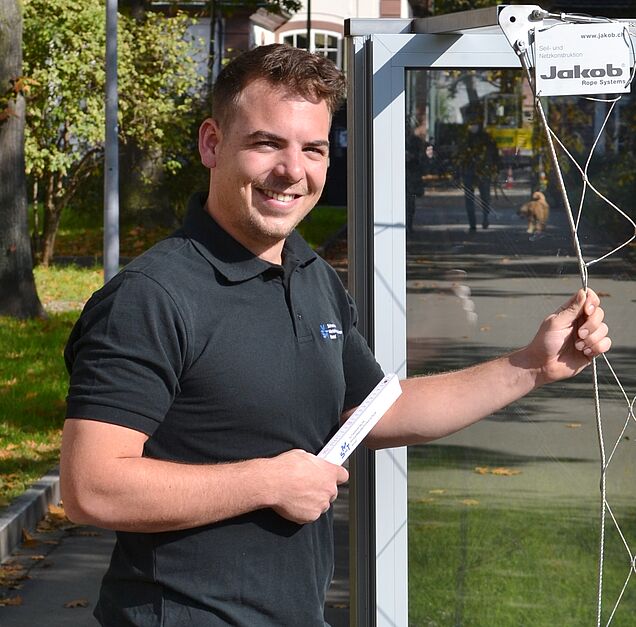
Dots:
pixel 504 517
pixel 301 41
pixel 320 40
pixel 289 40
pixel 332 42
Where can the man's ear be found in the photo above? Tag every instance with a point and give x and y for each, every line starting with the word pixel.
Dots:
pixel 209 137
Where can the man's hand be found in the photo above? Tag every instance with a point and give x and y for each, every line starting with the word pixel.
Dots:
pixel 570 338
pixel 304 485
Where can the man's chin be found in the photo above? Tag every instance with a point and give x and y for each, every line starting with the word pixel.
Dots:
pixel 272 233
pixel 276 229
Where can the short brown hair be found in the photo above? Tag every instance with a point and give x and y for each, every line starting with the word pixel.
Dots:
pixel 293 69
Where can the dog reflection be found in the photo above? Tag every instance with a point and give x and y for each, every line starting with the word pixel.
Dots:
pixel 536 211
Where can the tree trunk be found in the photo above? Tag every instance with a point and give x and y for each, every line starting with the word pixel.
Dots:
pixel 18 295
pixel 52 215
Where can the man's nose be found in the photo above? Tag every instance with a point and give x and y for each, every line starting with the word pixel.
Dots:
pixel 290 165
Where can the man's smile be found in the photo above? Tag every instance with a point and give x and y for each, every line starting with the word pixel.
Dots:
pixel 277 195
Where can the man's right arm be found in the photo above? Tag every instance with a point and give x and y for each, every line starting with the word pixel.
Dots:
pixel 106 482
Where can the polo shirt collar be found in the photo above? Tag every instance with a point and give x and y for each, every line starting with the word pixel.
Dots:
pixel 228 256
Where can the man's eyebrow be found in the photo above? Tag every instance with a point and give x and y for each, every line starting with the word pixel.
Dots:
pixel 319 142
pixel 267 136
pixel 264 135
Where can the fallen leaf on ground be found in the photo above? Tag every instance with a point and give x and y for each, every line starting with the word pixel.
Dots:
pixel 438 491
pixel 505 472
pixel 470 502
pixel 56 510
pixel 28 540
pixel 500 471
pixel 76 603
pixel 11 601
pixel 573 425
pixel 11 573
pixel 55 519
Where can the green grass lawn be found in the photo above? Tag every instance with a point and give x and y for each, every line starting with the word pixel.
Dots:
pixel 321 224
pixel 479 565
pixel 491 546
pixel 33 379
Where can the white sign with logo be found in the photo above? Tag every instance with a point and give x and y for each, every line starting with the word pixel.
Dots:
pixel 581 59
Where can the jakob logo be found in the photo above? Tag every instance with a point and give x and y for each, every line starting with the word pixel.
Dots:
pixel 578 72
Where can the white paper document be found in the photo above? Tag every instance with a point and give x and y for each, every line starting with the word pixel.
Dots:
pixel 363 419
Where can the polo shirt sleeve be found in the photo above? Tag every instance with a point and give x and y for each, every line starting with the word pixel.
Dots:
pixel 125 354
pixel 362 371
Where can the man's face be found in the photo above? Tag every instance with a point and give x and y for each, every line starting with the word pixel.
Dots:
pixel 268 165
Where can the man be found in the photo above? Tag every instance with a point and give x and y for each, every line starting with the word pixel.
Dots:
pixel 201 386
pixel 479 167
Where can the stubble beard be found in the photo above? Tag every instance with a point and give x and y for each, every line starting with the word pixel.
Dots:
pixel 267 234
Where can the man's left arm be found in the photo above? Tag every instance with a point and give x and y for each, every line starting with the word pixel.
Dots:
pixel 432 407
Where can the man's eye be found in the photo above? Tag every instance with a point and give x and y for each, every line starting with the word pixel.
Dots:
pixel 317 150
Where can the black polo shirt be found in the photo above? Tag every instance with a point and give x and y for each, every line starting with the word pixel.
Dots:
pixel 220 356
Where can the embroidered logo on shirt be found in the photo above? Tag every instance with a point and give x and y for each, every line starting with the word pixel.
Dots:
pixel 329 331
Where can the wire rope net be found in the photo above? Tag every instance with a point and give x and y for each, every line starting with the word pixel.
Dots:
pixel 607 449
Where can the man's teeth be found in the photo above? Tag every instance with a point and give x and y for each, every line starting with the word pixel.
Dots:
pixel 276 196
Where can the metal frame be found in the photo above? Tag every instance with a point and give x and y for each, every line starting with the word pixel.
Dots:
pixel 377 262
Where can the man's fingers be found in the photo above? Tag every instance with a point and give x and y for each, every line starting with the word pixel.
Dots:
pixel 572 308
pixel 587 302
pixel 591 300
pixel 601 347
pixel 591 339
pixel 592 324
pixel 343 475
pixel 598 348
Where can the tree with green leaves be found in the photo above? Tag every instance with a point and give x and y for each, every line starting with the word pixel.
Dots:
pixel 64 44
pixel 18 296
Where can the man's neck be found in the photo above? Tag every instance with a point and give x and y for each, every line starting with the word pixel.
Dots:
pixel 273 253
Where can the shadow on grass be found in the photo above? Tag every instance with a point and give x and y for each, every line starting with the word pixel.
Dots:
pixel 443 456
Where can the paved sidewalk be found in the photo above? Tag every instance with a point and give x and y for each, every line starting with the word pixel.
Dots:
pixel 57 574
pixel 63 569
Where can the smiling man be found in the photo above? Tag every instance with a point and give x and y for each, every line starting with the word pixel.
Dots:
pixel 203 383
pixel 268 162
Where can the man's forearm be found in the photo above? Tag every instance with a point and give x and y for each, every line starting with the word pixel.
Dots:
pixel 107 482
pixel 149 495
pixel 432 407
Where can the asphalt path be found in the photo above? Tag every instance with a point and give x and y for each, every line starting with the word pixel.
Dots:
pixel 474 295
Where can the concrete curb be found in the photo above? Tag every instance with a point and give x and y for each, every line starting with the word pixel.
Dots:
pixel 27 511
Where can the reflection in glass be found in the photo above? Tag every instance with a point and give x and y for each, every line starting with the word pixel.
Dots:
pixel 504 516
